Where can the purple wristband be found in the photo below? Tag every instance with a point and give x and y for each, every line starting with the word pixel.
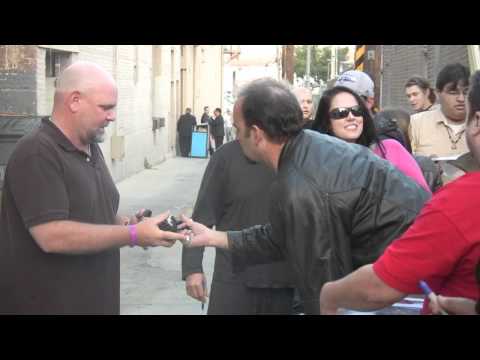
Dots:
pixel 132 229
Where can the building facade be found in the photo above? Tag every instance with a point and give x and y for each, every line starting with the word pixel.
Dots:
pixel 155 84
pixel 400 62
pixel 244 63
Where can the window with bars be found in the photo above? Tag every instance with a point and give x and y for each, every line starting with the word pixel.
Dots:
pixel 56 61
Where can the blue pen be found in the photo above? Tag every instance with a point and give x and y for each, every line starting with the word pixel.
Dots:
pixel 430 294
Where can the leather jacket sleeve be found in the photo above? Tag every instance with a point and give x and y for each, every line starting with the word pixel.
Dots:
pixel 253 246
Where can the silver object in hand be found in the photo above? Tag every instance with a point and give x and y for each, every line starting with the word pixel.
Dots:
pixel 187 241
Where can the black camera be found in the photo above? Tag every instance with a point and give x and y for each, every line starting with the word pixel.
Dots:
pixel 170 224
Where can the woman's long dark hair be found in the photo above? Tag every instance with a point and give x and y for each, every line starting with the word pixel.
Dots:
pixel 323 124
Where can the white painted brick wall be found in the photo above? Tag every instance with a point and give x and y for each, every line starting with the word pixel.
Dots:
pixel 41 96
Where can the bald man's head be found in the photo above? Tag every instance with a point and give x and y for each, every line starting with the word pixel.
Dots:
pixel 85 102
pixel 82 76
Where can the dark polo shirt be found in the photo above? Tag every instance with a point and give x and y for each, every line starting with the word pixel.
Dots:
pixel 47 179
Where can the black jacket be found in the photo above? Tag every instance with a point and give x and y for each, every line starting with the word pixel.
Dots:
pixel 205 119
pixel 217 126
pixel 431 172
pixel 336 206
pixel 186 124
pixel 234 195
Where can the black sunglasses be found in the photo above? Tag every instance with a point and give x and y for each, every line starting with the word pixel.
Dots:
pixel 342 112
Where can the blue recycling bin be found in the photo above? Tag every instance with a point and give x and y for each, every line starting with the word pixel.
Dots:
pixel 199 144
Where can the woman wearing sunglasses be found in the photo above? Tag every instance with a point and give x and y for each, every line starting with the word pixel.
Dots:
pixel 343 114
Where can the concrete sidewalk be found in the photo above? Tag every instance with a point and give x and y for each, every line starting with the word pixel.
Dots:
pixel 151 279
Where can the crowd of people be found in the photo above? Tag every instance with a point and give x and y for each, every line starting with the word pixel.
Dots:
pixel 218 128
pixel 357 225
pixel 346 206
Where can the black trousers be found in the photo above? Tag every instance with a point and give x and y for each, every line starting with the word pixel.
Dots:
pixel 218 142
pixel 185 145
pixel 238 299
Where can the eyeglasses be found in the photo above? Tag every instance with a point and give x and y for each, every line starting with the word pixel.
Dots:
pixel 342 112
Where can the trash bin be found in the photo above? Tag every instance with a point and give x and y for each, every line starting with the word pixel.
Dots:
pixel 199 147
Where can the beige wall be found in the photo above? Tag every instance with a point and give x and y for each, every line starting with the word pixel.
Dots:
pixel 205 76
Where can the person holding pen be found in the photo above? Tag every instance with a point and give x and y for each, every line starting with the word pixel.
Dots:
pixel 457 305
pixel 441 248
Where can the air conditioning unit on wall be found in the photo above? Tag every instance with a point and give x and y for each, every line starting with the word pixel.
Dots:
pixel 158 122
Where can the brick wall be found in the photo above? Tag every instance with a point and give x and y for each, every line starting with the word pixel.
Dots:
pixel 18 79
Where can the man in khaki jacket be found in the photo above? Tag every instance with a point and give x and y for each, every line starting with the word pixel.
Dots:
pixel 441 132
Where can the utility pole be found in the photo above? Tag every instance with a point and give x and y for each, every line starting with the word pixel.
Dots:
pixel 372 65
pixel 360 57
pixel 307 70
pixel 333 61
pixel 288 61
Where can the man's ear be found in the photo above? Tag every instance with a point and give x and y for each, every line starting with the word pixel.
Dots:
pixel 257 134
pixel 73 101
pixel 475 123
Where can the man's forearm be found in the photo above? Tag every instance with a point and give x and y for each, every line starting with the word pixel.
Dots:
pixel 361 290
pixel 71 237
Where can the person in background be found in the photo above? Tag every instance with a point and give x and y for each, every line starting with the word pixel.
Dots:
pixel 185 126
pixel 343 114
pixel 217 128
pixel 205 116
pixel 206 119
pixel 441 132
pixel 393 124
pixel 228 126
pixel 362 84
pixel 441 247
pixel 420 94
pixel 305 99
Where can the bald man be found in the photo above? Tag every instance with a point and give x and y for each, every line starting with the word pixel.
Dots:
pixel 60 234
pixel 305 99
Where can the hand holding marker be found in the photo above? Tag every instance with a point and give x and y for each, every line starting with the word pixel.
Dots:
pixel 430 294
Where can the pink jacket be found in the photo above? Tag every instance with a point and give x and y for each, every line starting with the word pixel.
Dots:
pixel 402 160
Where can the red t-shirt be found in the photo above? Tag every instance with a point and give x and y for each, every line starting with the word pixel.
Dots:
pixel 441 247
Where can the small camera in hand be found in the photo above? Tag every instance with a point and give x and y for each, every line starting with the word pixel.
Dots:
pixel 170 224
